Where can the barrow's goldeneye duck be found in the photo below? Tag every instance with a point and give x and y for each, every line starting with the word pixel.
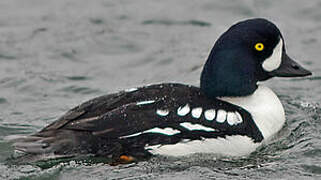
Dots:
pixel 229 114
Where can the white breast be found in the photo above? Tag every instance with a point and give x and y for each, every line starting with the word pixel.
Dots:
pixel 265 108
pixel 267 112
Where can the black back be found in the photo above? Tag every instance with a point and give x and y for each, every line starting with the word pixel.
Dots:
pixel 103 123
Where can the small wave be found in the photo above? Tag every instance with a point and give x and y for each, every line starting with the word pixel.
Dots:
pixel 173 22
pixel 77 78
pixel 79 90
pixel 3 100
pixel 7 57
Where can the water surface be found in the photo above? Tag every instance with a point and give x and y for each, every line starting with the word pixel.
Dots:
pixel 57 54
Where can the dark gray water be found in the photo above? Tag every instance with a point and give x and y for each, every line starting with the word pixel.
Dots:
pixel 57 54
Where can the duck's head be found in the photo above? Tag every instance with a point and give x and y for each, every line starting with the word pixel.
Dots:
pixel 250 51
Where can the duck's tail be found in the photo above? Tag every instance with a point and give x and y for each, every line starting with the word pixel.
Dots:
pixel 48 142
pixel 63 142
pixel 32 148
pixel 31 144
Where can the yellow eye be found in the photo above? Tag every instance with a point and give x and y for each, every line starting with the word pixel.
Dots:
pixel 259 46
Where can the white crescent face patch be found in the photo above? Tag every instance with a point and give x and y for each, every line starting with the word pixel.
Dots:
pixel 274 61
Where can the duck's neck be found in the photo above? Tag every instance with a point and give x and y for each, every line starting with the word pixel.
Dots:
pixel 227 76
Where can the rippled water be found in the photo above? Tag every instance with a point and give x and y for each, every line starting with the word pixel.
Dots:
pixel 57 54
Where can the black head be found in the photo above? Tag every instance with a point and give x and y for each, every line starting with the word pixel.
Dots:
pixel 250 51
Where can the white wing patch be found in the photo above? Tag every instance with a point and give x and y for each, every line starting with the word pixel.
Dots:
pixel 182 111
pixel 166 131
pixel 132 135
pixel 197 112
pixel 209 114
pixel 221 116
pixel 274 61
pixel 145 102
pixel 131 90
pixel 234 118
pixel 192 127
pixel 239 117
pixel 162 112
